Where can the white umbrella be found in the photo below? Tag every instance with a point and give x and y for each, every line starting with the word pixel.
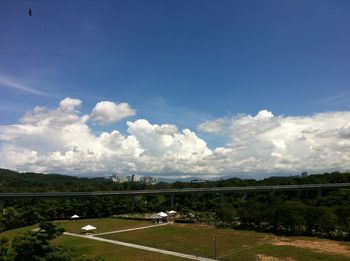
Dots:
pixel 88 228
pixel 172 212
pixel 74 216
pixel 162 214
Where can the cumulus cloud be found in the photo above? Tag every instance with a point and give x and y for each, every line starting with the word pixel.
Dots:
pixel 165 140
pixel 213 126
pixel 278 143
pixel 61 140
pixel 106 112
pixel 69 104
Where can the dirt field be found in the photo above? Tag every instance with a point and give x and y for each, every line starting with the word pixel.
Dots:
pixel 321 246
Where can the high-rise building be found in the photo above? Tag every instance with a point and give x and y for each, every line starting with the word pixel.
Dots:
pixel 149 180
pixel 118 178
pixel 133 178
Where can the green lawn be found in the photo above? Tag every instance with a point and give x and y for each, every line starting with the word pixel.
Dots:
pixel 233 245
pixel 193 239
pixel 102 224
pixel 10 234
pixel 91 248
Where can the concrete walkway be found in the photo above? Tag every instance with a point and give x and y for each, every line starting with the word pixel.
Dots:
pixel 129 229
pixel 151 249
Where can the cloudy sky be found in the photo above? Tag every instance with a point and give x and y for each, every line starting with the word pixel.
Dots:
pixel 175 88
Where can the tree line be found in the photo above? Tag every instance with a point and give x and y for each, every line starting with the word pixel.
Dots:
pixel 289 212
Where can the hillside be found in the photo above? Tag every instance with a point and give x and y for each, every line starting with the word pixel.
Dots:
pixel 12 181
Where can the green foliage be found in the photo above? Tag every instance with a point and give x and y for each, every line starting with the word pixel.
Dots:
pixel 343 216
pixel 12 218
pixel 12 181
pixel 58 254
pixel 290 217
pixel 226 214
pixel 35 244
pixel 4 249
pixel 84 258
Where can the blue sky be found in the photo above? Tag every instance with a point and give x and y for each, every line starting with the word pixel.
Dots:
pixel 176 62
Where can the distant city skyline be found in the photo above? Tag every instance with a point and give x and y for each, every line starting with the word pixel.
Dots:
pixel 133 178
pixel 175 89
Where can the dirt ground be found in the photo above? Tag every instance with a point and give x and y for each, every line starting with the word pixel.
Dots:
pixel 324 246
pixel 261 257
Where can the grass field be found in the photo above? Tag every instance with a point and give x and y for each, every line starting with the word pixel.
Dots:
pixel 91 248
pixel 10 234
pixel 235 245
pixel 102 225
pixel 193 239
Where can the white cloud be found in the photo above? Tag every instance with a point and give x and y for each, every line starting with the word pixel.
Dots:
pixel 212 126
pixel 263 115
pixel 69 104
pixel 280 143
pixel 106 112
pixel 60 140
pixel 166 141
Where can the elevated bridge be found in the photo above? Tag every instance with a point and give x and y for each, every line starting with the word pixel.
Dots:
pixel 173 192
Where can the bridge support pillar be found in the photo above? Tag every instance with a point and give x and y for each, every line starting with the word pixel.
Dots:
pixel 133 202
pixel 222 199
pixel 172 200
pixel 319 193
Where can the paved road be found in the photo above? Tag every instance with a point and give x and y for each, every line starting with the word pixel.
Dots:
pixel 126 230
pixel 152 249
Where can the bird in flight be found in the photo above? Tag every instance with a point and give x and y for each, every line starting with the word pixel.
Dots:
pixel 30 12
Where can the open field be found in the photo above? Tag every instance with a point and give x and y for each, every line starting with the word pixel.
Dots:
pixel 10 234
pixel 92 248
pixel 235 245
pixel 193 239
pixel 102 225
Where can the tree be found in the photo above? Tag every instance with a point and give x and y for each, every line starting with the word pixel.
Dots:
pixel 12 218
pixel 4 248
pixel 51 229
pixel 343 216
pixel 226 214
pixel 35 244
pixel 289 217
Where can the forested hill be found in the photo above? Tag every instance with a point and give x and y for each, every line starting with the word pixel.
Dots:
pixel 11 181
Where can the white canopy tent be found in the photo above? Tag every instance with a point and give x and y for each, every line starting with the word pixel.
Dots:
pixel 172 212
pixel 88 228
pixel 74 217
pixel 162 214
pixel 156 216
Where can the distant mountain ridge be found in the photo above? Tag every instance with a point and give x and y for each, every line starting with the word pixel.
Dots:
pixel 12 181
